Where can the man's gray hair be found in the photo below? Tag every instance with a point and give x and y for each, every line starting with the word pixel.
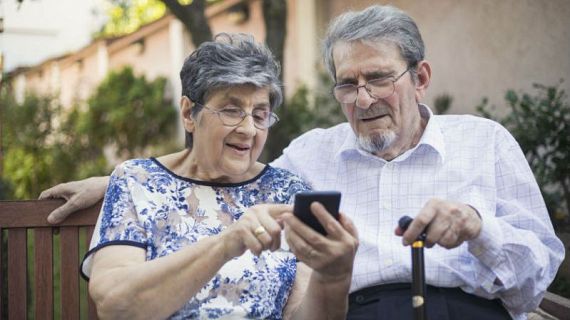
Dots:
pixel 229 60
pixel 375 24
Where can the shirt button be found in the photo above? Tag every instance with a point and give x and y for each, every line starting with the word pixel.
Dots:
pixel 477 251
pixel 359 298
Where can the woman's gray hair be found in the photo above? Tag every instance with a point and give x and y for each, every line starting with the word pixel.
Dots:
pixel 375 24
pixel 229 60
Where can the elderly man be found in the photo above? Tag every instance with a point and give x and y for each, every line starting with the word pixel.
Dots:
pixel 464 180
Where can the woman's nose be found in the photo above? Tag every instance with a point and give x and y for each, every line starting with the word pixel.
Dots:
pixel 247 126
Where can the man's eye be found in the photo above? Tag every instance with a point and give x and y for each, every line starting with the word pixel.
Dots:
pixel 346 84
pixel 380 83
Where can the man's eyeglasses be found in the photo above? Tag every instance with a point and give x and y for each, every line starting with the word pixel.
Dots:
pixel 232 116
pixel 376 88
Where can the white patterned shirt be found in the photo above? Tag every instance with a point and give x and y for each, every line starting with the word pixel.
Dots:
pixel 459 158
pixel 148 206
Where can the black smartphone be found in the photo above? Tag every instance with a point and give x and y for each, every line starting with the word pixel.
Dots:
pixel 302 208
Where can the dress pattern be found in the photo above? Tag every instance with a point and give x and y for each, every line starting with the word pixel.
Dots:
pixel 150 207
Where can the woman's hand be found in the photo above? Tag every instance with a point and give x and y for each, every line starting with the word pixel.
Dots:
pixel 330 257
pixel 323 293
pixel 258 229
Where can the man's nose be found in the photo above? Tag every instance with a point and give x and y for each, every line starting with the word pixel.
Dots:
pixel 363 99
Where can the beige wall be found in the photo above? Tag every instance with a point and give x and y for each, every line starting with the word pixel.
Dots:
pixel 150 58
pixel 80 75
pixel 484 47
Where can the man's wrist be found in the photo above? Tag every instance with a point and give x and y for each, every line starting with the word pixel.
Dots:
pixel 478 223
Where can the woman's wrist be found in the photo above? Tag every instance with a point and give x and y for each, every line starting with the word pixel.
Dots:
pixel 339 281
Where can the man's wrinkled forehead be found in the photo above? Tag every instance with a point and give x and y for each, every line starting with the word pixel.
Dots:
pixel 383 48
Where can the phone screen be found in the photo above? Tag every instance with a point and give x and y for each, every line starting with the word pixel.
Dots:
pixel 329 199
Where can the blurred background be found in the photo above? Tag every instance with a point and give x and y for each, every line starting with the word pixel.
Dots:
pixel 87 84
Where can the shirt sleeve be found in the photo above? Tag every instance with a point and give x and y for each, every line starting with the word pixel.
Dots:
pixel 118 222
pixel 517 252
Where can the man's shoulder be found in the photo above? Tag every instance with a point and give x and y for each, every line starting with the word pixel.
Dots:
pixel 337 133
pixel 465 123
pixel 474 131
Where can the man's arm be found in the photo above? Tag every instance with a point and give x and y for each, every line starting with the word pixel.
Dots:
pixel 78 195
pixel 515 251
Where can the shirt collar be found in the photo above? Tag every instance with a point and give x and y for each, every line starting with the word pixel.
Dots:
pixel 432 137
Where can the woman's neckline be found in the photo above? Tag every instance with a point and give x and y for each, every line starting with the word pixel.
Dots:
pixel 211 183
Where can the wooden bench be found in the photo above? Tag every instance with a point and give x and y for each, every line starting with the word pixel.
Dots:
pixel 28 286
pixel 18 217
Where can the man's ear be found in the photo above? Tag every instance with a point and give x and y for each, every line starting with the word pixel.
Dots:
pixel 423 72
pixel 186 113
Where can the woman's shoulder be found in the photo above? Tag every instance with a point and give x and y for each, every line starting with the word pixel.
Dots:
pixel 283 178
pixel 141 171
pixel 135 166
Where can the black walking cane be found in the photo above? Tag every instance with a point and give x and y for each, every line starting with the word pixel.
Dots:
pixel 418 272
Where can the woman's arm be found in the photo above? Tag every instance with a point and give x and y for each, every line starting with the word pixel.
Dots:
pixel 321 293
pixel 125 286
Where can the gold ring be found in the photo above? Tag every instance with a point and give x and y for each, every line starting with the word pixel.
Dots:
pixel 259 231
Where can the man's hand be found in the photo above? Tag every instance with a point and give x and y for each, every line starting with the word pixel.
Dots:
pixel 78 195
pixel 446 223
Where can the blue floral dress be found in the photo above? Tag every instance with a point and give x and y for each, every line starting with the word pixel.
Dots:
pixel 148 206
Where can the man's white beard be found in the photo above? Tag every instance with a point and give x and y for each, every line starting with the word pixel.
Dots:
pixel 377 142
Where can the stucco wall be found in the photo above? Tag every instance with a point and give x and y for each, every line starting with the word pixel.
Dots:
pixel 78 79
pixel 149 57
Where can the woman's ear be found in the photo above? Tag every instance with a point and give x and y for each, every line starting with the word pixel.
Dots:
pixel 424 77
pixel 186 113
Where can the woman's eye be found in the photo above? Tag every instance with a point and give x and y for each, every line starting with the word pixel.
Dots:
pixel 232 112
pixel 260 115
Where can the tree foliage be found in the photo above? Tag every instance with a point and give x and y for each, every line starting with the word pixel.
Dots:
pixel 45 144
pixel 27 128
pixel 540 122
pixel 128 113
pixel 126 16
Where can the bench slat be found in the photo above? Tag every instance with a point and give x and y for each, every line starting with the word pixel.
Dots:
pixel 1 276
pixel 43 273
pixel 33 213
pixel 556 305
pixel 91 310
pixel 17 275
pixel 69 243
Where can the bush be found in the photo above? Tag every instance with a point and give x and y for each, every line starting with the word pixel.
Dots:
pixel 540 122
pixel 46 144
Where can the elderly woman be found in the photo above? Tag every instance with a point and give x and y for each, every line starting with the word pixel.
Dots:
pixel 197 234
